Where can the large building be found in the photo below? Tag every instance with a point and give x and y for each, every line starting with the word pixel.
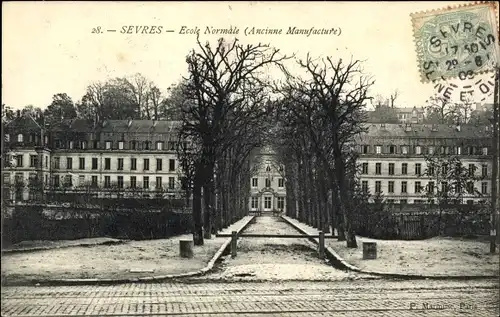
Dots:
pixel 267 191
pixel 116 158
pixel 393 161
pixel 127 158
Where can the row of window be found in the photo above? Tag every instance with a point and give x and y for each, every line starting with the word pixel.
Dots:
pixel 268 203
pixel 67 181
pixel 32 138
pixel 108 145
pixel 421 201
pixel 419 171
pixel 18 160
pixel 34 162
pixel 255 182
pixel 420 150
pixel 122 145
pixel 430 187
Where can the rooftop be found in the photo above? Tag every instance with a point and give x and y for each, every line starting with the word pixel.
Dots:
pixel 426 131
pixel 107 126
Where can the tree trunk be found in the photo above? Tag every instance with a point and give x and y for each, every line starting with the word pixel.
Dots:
pixel 227 203
pixel 338 216
pixel 207 196
pixel 314 197
pixel 318 201
pixel 215 222
pixel 323 201
pixel 300 194
pixel 310 197
pixel 197 215
pixel 304 193
pixel 155 109
pixel 331 211
pixel 290 195
pixel 232 201
pixel 243 196
pixel 344 199
pixel 218 202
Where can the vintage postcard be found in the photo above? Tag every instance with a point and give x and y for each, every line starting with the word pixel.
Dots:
pixel 250 158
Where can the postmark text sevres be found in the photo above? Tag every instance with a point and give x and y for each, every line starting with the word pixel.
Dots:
pixel 456 42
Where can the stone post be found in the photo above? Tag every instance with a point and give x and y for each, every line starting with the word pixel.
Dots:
pixel 369 250
pixel 186 248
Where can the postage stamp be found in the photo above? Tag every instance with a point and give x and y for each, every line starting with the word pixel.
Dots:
pixel 456 42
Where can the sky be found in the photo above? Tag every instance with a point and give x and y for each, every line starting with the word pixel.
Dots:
pixel 49 47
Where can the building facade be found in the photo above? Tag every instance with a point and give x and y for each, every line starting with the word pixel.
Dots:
pixel 267 185
pixel 393 161
pixel 117 158
pixel 410 115
pixel 131 158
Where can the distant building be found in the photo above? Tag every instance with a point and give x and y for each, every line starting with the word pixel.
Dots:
pixel 402 115
pixel 410 115
pixel 267 186
pixel 392 158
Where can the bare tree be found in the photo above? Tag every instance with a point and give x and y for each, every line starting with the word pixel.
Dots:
pixel 329 105
pixel 92 104
pixel 439 110
pixel 140 88
pixel 155 98
pixel 225 90
pixel 393 97
pixel 380 101
pixel 450 182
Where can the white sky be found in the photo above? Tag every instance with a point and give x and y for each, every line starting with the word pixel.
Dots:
pixel 48 48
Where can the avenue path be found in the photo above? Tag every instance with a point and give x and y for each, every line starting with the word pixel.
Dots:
pixel 274 259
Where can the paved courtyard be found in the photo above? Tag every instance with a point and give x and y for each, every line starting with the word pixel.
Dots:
pixel 339 298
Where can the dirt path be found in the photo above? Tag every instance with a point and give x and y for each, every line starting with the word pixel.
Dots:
pixel 276 258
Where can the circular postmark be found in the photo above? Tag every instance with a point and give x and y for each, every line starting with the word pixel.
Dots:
pixel 456 43
pixel 471 88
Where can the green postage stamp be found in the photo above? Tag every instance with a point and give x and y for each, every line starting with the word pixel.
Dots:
pixel 456 41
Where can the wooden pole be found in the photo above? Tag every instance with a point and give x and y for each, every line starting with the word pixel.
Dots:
pixel 234 241
pixel 498 157
pixel 494 176
pixel 321 247
pixel 2 159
